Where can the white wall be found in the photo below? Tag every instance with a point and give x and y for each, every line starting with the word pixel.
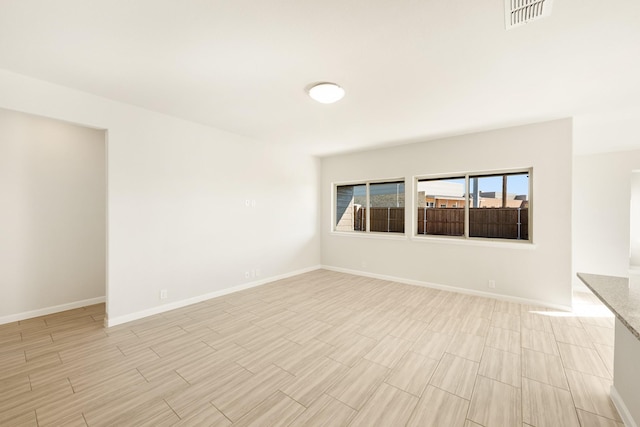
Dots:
pixel 53 214
pixel 606 130
pixel 541 272
pixel 601 212
pixel 177 218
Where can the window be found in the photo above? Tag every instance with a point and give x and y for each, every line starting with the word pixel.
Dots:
pixel 350 203
pixel 441 221
pixel 494 206
pixel 499 206
pixel 370 207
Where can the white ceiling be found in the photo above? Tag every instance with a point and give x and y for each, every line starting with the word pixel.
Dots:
pixel 413 70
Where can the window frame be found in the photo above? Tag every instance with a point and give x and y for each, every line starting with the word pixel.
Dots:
pixel 467 188
pixel 367 232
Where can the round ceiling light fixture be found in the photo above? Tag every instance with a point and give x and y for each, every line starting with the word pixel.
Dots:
pixel 326 93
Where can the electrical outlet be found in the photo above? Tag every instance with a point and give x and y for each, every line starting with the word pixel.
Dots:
pixel 163 294
pixel 492 284
pixel 247 275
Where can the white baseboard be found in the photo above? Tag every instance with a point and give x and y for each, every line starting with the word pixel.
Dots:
pixel 448 288
pixel 50 310
pixel 194 300
pixel 627 419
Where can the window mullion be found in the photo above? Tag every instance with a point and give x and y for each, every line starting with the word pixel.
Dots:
pixel 368 210
pixel 466 207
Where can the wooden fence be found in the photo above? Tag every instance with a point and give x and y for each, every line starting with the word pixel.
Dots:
pixel 502 223
pixel 441 221
pixel 382 219
pixel 499 223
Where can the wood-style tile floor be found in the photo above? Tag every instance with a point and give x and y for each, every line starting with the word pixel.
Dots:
pixel 320 349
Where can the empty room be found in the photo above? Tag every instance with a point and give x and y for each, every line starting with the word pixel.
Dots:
pixel 337 213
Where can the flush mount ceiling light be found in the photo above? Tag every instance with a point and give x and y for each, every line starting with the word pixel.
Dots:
pixel 326 93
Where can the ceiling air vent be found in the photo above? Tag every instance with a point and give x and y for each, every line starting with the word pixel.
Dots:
pixel 518 12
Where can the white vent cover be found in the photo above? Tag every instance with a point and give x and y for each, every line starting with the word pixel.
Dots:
pixel 518 12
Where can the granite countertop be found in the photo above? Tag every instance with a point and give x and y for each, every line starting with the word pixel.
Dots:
pixel 623 300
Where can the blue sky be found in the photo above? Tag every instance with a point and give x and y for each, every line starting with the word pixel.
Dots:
pixel 516 184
